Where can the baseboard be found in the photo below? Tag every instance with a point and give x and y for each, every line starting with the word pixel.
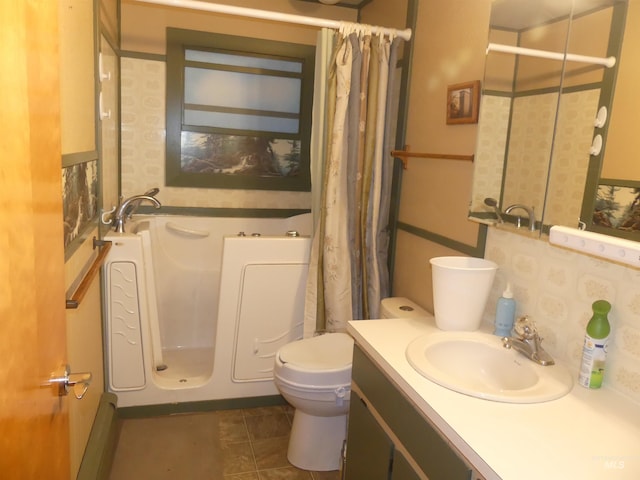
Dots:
pixel 202 406
pixel 101 446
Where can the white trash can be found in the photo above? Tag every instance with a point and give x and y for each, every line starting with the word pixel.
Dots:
pixel 461 287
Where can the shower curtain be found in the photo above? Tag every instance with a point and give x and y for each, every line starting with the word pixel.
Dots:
pixel 351 179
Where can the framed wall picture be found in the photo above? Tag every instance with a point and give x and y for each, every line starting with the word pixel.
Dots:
pixel 463 101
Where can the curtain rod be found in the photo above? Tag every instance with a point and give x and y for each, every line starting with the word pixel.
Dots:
pixel 531 52
pixel 275 16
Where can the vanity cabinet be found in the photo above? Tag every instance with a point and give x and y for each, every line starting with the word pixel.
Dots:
pixel 389 439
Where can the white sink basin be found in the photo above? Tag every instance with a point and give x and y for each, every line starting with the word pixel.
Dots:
pixel 477 364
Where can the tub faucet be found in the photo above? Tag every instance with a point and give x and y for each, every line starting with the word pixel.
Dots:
pixel 529 210
pixel 133 206
pixel 122 213
pixel 528 342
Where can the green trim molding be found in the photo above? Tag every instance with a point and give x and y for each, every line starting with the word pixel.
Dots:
pixel 476 250
pixel 101 446
pixel 224 212
pixel 145 411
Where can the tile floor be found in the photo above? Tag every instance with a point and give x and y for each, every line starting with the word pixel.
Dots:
pixel 247 444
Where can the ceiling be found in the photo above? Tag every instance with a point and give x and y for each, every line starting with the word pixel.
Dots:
pixel 522 14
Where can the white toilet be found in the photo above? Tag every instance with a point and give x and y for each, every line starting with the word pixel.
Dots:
pixel 314 376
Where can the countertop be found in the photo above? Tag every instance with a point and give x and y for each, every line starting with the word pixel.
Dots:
pixel 587 434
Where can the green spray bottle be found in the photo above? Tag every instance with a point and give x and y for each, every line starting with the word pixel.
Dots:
pixel 594 352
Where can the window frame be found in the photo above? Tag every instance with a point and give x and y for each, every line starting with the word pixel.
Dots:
pixel 178 41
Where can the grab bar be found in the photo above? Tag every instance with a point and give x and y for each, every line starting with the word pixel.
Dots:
pixel 186 231
pixel 85 283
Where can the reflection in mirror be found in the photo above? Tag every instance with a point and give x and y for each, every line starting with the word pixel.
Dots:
pixel 611 198
pixel 535 110
pixel 582 95
pixel 519 103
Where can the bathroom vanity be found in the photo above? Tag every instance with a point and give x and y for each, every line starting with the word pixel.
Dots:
pixel 402 426
pixel 386 431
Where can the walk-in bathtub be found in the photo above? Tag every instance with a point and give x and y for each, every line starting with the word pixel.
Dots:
pixel 196 307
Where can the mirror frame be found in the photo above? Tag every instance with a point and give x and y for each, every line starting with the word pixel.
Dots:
pixel 593 179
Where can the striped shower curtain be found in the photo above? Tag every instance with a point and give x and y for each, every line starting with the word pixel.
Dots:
pixel 351 185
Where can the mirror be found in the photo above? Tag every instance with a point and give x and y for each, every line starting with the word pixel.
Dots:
pixel 537 114
pixel 612 192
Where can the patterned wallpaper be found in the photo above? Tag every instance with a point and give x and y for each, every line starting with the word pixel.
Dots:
pixel 556 288
pixel 530 147
pixel 529 150
pixel 492 141
pixel 143 148
pixel 571 157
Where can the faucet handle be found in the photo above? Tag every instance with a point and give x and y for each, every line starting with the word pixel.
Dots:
pixel 525 327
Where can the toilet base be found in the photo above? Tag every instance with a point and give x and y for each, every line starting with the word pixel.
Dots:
pixel 316 442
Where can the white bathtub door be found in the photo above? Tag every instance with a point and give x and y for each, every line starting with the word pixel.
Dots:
pixel 271 314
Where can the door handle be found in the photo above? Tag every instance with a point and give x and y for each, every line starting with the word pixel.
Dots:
pixel 62 381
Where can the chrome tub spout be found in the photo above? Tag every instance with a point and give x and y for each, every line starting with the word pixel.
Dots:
pixel 126 209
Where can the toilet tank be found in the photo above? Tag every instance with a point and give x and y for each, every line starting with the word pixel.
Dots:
pixel 401 307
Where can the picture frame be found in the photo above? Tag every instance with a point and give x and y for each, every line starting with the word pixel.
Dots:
pixel 463 102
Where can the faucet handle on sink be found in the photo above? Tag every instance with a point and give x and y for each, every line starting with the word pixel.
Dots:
pixel 525 327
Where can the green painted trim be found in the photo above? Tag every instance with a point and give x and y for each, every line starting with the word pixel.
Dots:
pixel 432 451
pixel 481 217
pixel 496 93
pixel 202 406
pixel 541 91
pixel 143 56
pixel 101 446
pixel 71 159
pixel 113 43
pixel 406 62
pixel 474 251
pixel 620 182
pixel 80 239
pixel 582 88
pixel 394 212
pixel 363 4
pixel 224 212
pixel 613 232
pixel 177 41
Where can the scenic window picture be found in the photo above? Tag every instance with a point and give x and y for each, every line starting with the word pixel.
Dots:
pixel 208 153
pixel 617 207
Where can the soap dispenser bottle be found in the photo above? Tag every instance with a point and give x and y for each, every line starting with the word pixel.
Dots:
pixel 505 313
pixel 594 352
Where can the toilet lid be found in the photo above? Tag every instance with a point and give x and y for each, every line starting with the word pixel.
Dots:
pixel 324 352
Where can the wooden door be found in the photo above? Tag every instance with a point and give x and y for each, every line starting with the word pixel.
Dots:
pixel 34 430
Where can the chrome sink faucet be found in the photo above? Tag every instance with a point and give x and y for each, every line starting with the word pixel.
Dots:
pixel 530 213
pixel 127 207
pixel 528 342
